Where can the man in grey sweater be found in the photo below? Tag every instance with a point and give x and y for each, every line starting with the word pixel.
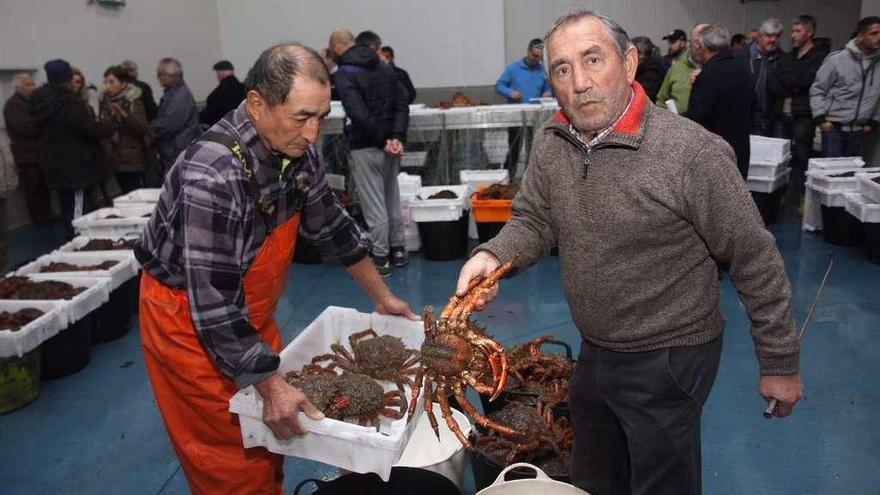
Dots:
pixel 642 204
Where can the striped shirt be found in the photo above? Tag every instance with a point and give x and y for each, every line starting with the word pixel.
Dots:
pixel 207 229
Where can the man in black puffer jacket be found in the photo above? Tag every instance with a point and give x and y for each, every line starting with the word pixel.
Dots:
pixel 70 142
pixel 376 107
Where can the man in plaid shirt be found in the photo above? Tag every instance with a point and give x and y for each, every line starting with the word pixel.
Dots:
pixel 215 255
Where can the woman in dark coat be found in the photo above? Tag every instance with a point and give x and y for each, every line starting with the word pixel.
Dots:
pixel 126 149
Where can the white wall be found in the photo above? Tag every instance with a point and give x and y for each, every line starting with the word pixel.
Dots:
pixel 450 43
pixel 527 19
pixel 870 7
pixel 92 37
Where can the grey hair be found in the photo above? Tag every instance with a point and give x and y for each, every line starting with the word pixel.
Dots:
pixel 714 37
pixel 643 44
pixel 617 33
pixel 129 65
pixel 771 26
pixel 20 78
pixel 171 66
pixel 273 73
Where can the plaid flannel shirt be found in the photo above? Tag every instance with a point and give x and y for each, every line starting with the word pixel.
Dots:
pixel 207 229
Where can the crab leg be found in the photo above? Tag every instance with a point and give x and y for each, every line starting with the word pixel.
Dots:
pixel 479 418
pixel 416 390
pixel 429 407
pixel 451 423
pixel 353 338
pixel 481 388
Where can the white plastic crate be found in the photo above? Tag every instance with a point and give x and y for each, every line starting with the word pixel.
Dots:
pixel 97 293
pixel 440 210
pixel 862 208
pixel 124 270
pixel 79 242
pixel 823 178
pixel 765 149
pixel 822 196
pixel 409 185
pixel 868 187
pixel 34 333
pixel 477 178
pixel 96 223
pixel 138 198
pixel 768 184
pixel 843 162
pixel 336 181
pixel 767 169
pixel 413 159
pixel 349 446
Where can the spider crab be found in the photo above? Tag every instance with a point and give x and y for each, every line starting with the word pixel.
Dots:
pixel 382 357
pixel 455 354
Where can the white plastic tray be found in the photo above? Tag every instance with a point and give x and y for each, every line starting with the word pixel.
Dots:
pixel 124 270
pixel 765 149
pixel 862 208
pixel 822 196
pixel 768 185
pixel 349 446
pixel 78 242
pixel 477 178
pixel 440 210
pixel 843 162
pixel 95 224
pixel 412 159
pixel 409 185
pixel 138 198
pixel 767 169
pixel 97 293
pixel 868 187
pixel 34 333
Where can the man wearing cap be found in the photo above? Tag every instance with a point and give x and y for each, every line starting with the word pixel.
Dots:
pixel 521 82
pixel 680 77
pixel 677 40
pixel 225 97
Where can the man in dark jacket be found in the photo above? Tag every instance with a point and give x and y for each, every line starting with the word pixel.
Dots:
pixel 375 104
pixel 760 59
pixel 722 96
pixel 70 153
pixel 24 135
pixel 790 85
pixel 146 91
pixel 225 97
pixel 387 56
pixel 177 122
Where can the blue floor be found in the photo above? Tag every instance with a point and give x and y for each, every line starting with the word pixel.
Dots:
pixel 99 431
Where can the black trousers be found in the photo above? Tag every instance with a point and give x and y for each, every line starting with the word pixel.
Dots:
pixel 801 130
pixel 36 194
pixel 636 418
pixel 515 137
pixel 129 181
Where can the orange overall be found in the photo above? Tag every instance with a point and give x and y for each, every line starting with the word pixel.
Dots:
pixel 192 394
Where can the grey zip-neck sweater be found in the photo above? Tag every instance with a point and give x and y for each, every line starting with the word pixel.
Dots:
pixel 640 220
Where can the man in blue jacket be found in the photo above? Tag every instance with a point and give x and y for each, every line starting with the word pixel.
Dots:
pixel 522 81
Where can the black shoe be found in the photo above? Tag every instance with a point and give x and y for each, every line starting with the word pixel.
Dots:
pixel 399 256
pixel 383 266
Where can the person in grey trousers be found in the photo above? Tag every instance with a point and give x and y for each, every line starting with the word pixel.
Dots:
pixel 177 119
pixel 375 104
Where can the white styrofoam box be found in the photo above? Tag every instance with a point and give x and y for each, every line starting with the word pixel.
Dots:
pixel 823 178
pixel 79 242
pixel 766 149
pixel 97 293
pixel 833 199
pixel 477 178
pixel 356 448
pixel 126 268
pixel 412 159
pixel 336 181
pixel 767 169
pixel 336 110
pixel 868 187
pixel 446 456
pixel 409 185
pixel 440 210
pixel 768 184
pixel 416 106
pixel 862 208
pixel 843 162
pixel 96 223
pixel 138 197
pixel 28 337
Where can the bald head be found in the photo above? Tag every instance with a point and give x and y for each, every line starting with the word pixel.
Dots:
pixel 273 73
pixel 340 40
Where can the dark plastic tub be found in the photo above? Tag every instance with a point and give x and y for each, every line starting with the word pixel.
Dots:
pixel 445 241
pixel 19 380
pixel 768 205
pixel 871 241
pixel 69 351
pixel 486 231
pixel 403 481
pixel 113 318
pixel 840 228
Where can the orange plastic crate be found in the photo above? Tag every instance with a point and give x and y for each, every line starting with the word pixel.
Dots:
pixel 490 210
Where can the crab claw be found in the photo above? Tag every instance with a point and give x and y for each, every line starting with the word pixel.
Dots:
pixel 499 380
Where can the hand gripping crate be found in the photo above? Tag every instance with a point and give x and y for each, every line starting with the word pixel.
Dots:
pixel 349 446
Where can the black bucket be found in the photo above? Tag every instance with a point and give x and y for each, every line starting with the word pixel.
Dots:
pixel 871 241
pixel 486 231
pixel 113 318
pixel 840 228
pixel 69 351
pixel 768 205
pixel 403 481
pixel 445 241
